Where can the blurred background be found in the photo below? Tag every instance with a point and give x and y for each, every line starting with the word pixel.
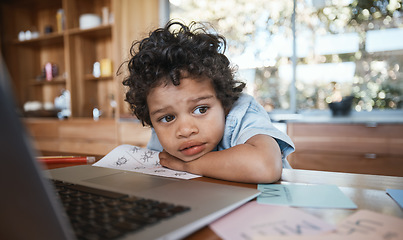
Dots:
pixel 299 55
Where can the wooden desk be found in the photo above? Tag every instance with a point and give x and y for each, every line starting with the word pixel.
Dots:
pixel 367 192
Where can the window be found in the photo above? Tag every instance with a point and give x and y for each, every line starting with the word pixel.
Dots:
pixel 330 50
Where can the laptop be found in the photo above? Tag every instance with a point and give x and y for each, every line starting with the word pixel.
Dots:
pixel 30 208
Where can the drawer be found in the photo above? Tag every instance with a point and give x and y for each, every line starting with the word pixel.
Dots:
pixel 47 129
pixel 85 147
pixel 342 144
pixel 89 130
pixel 352 163
pixel 78 136
pixel 345 130
pixel 395 146
pixel 347 138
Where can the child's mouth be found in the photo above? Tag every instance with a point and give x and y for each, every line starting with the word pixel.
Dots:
pixel 192 149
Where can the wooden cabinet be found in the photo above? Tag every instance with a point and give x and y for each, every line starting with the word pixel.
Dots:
pixel 356 148
pixel 70 50
pixel 86 48
pixel 73 50
pixel 78 136
pixel 84 136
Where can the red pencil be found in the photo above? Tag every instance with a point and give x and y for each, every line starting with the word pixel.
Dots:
pixel 66 159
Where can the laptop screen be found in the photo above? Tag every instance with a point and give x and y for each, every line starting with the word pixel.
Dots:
pixel 27 209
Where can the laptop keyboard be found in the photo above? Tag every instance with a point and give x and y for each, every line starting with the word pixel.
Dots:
pixel 100 214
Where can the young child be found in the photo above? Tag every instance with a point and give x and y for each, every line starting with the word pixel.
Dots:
pixel 182 85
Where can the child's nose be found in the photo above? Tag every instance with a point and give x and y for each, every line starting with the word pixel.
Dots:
pixel 186 127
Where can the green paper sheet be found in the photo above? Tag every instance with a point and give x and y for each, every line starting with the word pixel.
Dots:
pixel 301 195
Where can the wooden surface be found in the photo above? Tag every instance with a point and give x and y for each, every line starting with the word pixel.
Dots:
pixel 345 147
pixel 85 136
pixel 366 191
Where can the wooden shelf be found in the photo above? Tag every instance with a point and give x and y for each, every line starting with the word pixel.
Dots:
pixel 96 32
pixel 75 51
pixel 44 40
pixel 56 80
pixel 90 77
pixel 58 38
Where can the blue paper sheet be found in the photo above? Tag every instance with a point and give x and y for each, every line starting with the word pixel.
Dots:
pixel 298 195
pixel 397 195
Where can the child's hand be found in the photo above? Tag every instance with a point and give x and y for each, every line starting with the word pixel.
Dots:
pixel 171 162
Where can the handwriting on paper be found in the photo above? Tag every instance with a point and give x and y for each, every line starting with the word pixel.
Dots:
pixel 366 223
pixel 254 219
pixel 137 159
pixel 362 225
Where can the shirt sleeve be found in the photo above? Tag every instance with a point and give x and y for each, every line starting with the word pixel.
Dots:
pixel 248 119
pixel 154 143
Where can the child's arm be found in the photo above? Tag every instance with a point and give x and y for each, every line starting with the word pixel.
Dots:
pixel 256 161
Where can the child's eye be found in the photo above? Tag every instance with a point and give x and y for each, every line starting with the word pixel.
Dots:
pixel 167 118
pixel 200 110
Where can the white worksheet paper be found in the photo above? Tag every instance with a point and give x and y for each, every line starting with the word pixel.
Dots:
pixel 137 159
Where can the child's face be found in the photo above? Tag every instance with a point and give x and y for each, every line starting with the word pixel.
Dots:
pixel 188 119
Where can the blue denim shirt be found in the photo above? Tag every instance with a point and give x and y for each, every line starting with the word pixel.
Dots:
pixel 246 119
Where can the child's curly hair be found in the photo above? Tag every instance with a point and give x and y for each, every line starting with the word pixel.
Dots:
pixel 166 56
